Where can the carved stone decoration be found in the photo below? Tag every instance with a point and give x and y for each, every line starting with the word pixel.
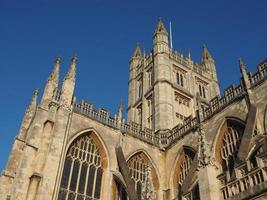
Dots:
pixel 204 158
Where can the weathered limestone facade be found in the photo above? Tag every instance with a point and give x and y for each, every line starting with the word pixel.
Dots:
pixel 182 139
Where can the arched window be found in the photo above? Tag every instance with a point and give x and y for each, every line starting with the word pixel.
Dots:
pixel 184 167
pixel 82 173
pixel 143 173
pixel 181 171
pixel 231 138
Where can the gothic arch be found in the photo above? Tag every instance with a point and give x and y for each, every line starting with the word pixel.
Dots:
pixel 234 124
pixel 130 155
pixel 98 141
pixel 184 153
pixel 140 156
pixel 85 161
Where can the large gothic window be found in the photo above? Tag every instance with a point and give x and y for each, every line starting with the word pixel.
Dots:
pixel 82 173
pixel 229 145
pixel 183 166
pixel 144 176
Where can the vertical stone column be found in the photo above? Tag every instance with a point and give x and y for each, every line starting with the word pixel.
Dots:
pixel 209 186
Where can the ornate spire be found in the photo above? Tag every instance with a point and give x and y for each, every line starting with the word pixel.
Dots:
pixel 206 55
pixel 72 70
pixel 144 53
pixel 51 84
pixel 189 54
pixel 243 70
pixel 120 112
pixel 242 65
pixel 55 73
pixel 137 52
pixel 160 27
pixel 69 84
pixel 33 103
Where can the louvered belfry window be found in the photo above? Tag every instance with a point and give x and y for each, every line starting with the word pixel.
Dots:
pixel 82 173
pixel 140 171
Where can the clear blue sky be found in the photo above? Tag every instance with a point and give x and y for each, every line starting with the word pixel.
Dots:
pixel 103 34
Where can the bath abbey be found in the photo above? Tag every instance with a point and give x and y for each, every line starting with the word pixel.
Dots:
pixel 182 139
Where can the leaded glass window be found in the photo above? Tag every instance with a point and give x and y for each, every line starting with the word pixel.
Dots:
pixel 230 145
pixel 185 162
pixel 140 171
pixel 183 166
pixel 82 172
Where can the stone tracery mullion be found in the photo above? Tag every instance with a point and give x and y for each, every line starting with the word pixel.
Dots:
pixel 139 169
pixel 85 159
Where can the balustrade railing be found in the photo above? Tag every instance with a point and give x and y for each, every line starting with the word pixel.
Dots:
pixel 253 178
pixel 258 76
pixel 181 130
pixel 131 128
pixel 231 94
pixel 217 104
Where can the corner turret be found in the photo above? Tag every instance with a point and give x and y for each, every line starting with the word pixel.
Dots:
pixel 160 39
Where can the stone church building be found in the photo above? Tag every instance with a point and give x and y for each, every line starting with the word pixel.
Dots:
pixel 182 139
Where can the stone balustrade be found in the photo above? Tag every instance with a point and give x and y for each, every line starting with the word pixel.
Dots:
pixel 181 130
pixel 131 128
pixel 258 77
pixel 168 137
pixel 217 104
pixel 135 129
pixel 251 179
pixel 231 94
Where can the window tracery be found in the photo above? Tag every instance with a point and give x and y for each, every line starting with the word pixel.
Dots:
pixel 82 173
pixel 181 172
pixel 141 172
pixel 230 145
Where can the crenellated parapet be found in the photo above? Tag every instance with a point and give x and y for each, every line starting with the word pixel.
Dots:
pixel 167 138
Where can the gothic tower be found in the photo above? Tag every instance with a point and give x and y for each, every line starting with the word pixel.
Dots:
pixel 164 84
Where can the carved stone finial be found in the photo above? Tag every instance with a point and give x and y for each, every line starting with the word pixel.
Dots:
pixel 74 59
pixel 206 56
pixel 36 91
pixel 242 64
pixel 189 54
pixel 58 60
pixel 137 52
pixel 160 27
